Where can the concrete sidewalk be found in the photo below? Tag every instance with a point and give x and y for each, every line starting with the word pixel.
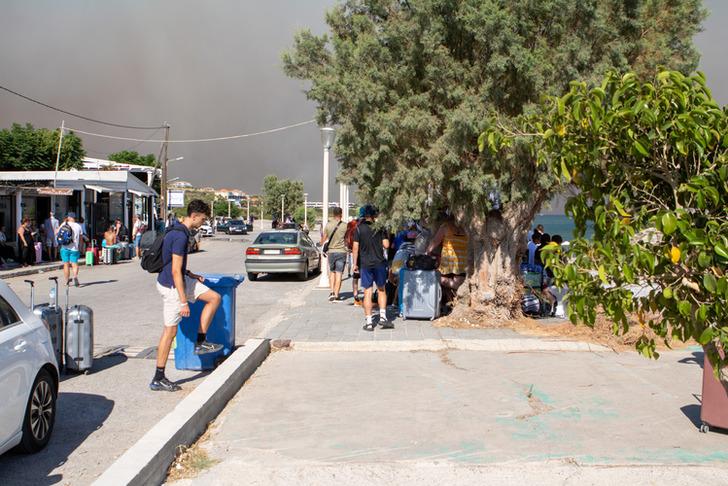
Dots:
pixel 311 417
pixel 322 321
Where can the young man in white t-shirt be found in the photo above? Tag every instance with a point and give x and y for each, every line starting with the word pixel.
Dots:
pixel 71 252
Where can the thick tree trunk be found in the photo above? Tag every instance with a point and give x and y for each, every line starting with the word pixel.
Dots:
pixel 493 289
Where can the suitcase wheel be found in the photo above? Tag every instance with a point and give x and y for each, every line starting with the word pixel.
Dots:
pixel 704 428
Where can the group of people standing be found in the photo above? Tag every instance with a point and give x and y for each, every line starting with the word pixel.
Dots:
pixel 375 257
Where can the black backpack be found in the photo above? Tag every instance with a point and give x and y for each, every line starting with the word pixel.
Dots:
pixel 152 257
pixel 422 262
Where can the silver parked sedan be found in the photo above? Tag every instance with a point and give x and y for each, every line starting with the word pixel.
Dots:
pixel 282 251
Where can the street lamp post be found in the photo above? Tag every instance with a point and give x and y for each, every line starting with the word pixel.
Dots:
pixel 248 201
pixel 305 210
pixel 328 135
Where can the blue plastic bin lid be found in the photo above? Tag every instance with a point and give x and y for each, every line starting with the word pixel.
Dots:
pixel 223 279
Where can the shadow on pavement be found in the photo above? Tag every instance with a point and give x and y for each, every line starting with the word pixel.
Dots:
pixel 696 358
pixel 201 374
pixel 98 282
pixel 79 415
pixel 99 365
pixel 692 412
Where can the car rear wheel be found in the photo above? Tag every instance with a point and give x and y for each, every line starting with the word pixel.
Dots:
pixel 252 276
pixel 304 275
pixel 40 414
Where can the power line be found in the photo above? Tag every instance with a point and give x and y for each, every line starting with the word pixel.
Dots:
pixel 119 125
pixel 196 140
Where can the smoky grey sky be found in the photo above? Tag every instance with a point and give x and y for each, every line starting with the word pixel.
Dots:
pixel 208 68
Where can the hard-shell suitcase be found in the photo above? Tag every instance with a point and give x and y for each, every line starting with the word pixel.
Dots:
pixel 419 294
pixel 92 254
pixel 714 403
pixel 52 316
pixel 108 255
pixel 124 253
pixel 38 252
pixel 79 337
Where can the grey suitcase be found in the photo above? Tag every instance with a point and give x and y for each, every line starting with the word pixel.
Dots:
pixel 79 337
pixel 52 316
pixel 124 251
pixel 419 294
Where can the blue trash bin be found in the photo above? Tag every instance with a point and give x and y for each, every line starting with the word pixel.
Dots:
pixel 222 328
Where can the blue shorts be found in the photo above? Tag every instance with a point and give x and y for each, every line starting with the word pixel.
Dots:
pixel 371 276
pixel 70 256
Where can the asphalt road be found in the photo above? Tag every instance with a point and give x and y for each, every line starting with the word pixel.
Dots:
pixel 101 414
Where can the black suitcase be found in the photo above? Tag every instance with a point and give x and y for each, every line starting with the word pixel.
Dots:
pixel 52 316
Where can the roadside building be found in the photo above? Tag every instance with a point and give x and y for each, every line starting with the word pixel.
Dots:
pixel 99 196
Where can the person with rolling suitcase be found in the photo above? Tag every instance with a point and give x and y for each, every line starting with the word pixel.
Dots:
pixel 368 250
pixel 178 286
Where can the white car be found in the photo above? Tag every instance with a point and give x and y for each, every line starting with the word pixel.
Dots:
pixel 206 230
pixel 28 376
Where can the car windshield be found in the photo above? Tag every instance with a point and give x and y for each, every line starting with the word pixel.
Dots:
pixel 236 223
pixel 276 239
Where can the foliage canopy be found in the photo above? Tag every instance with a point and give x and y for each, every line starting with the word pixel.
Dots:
pixel 23 147
pixel 411 83
pixel 649 160
pixel 274 189
pixel 133 157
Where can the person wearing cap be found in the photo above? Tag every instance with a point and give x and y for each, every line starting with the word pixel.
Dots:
pixel 71 252
pixel 368 253
pixel 350 230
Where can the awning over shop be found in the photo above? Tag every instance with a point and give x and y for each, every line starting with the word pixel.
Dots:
pixel 99 188
pixel 78 180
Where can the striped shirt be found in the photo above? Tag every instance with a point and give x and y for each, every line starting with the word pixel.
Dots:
pixel 454 257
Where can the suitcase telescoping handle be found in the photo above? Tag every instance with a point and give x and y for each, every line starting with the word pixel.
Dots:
pixel 55 280
pixel 32 293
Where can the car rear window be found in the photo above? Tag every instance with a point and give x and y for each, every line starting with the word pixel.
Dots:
pixel 276 239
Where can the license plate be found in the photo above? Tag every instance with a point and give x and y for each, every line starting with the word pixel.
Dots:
pixel 271 252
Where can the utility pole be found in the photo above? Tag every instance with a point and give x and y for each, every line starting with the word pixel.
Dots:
pixel 248 201
pixel 229 206
pixel 163 183
pixel 58 155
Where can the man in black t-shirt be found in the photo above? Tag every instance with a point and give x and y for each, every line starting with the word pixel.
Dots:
pixel 368 252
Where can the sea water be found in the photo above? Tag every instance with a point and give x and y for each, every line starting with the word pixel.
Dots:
pixel 559 224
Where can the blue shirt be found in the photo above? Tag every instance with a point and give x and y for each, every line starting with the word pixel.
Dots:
pixel 175 243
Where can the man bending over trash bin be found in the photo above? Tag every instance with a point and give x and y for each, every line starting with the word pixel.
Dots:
pixel 178 287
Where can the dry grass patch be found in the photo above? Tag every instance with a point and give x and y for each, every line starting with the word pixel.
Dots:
pixel 191 460
pixel 601 333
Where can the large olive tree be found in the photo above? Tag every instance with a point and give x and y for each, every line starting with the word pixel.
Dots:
pixel 411 83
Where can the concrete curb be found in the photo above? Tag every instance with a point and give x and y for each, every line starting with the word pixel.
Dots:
pixel 147 461
pixel 22 272
pixel 497 345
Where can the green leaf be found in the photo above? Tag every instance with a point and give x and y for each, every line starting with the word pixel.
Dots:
pixel 565 171
pixel 706 336
pixel 602 274
pixel 669 223
pixel 684 308
pixel 704 260
pixel 667 293
pixel 620 209
pixel 721 250
pixel 641 148
pixel 709 282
